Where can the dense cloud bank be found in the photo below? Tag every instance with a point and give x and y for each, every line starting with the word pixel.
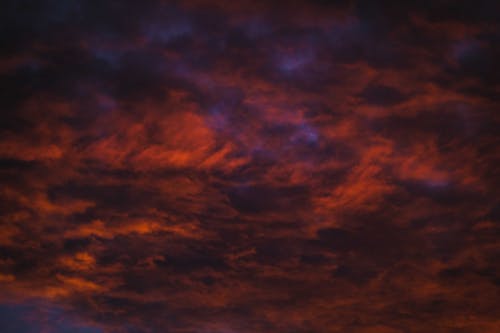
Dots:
pixel 243 166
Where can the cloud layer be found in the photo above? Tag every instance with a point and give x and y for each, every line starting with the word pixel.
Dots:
pixel 240 166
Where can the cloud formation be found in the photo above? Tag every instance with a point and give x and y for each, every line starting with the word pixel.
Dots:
pixel 241 166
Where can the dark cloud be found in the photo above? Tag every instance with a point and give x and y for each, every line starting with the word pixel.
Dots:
pixel 381 95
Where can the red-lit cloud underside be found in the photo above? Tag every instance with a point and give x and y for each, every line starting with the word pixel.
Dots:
pixel 235 166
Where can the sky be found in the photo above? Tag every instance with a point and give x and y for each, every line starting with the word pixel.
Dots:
pixel 248 166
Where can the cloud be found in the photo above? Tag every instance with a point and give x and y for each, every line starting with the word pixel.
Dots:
pixel 222 166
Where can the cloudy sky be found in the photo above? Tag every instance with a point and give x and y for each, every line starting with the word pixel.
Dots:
pixel 242 166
